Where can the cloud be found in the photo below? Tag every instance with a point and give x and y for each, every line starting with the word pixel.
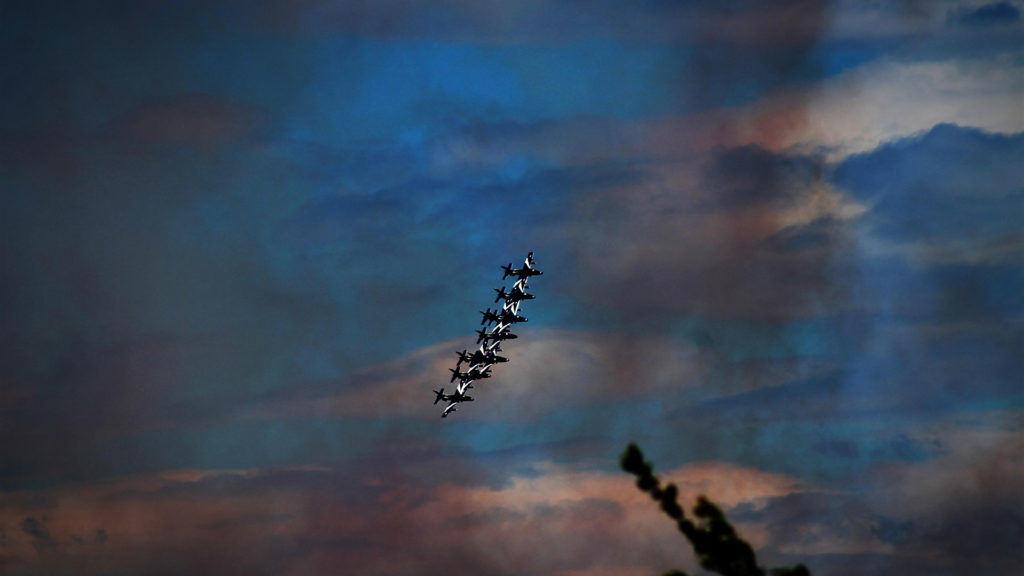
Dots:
pixel 939 263
pixel 540 61
pixel 554 378
pixel 820 523
pixel 798 430
pixel 547 371
pixel 556 187
pixel 201 120
pixel 823 233
pixel 563 494
pixel 250 242
pixel 994 14
pixel 553 519
pixel 967 201
pixel 709 221
pixel 866 106
pixel 943 286
pixel 166 523
pixel 950 515
pixel 553 22
pixel 749 175
pixel 39 533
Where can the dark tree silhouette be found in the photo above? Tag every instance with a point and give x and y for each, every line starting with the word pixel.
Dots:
pixel 718 547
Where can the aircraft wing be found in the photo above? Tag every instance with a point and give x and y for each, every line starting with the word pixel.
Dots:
pixel 449 408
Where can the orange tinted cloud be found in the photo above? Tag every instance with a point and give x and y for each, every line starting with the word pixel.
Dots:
pixel 557 519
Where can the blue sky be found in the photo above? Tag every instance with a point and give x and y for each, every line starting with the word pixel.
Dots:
pixel 242 240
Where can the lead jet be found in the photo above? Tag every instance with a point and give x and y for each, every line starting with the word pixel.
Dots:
pixel 496 336
pixel 520 273
pixel 515 295
pixel 459 396
pixel 474 373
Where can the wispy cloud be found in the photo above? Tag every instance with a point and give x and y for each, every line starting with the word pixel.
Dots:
pixel 290 520
pixel 242 240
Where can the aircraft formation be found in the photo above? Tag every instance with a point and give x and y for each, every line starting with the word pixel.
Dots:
pixel 497 325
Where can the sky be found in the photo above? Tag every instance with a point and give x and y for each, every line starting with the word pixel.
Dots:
pixel 240 242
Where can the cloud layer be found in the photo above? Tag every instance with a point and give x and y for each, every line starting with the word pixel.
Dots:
pixel 241 241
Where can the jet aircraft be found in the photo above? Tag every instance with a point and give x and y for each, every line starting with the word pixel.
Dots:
pixel 515 295
pixel 489 339
pixel 459 396
pixel 521 273
pixel 495 336
pixel 489 317
pixel 479 356
pixel 474 373
pixel 507 317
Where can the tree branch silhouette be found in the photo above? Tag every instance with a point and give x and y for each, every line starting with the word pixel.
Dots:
pixel 718 547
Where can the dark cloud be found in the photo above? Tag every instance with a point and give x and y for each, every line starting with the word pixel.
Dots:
pixel 944 273
pixel 818 429
pixel 899 447
pixel 509 200
pixel 79 67
pixel 347 484
pixel 706 54
pixel 811 398
pixel 953 538
pixel 790 519
pixel 444 227
pixel 747 176
pixel 949 186
pixel 191 119
pixel 545 21
pixel 873 563
pixel 960 156
pixel 668 249
pixel 945 293
pixel 727 68
pixel 994 14
pixel 37 530
pixel 946 345
pixel 982 536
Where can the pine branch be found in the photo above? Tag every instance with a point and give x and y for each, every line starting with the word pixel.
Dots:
pixel 718 547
